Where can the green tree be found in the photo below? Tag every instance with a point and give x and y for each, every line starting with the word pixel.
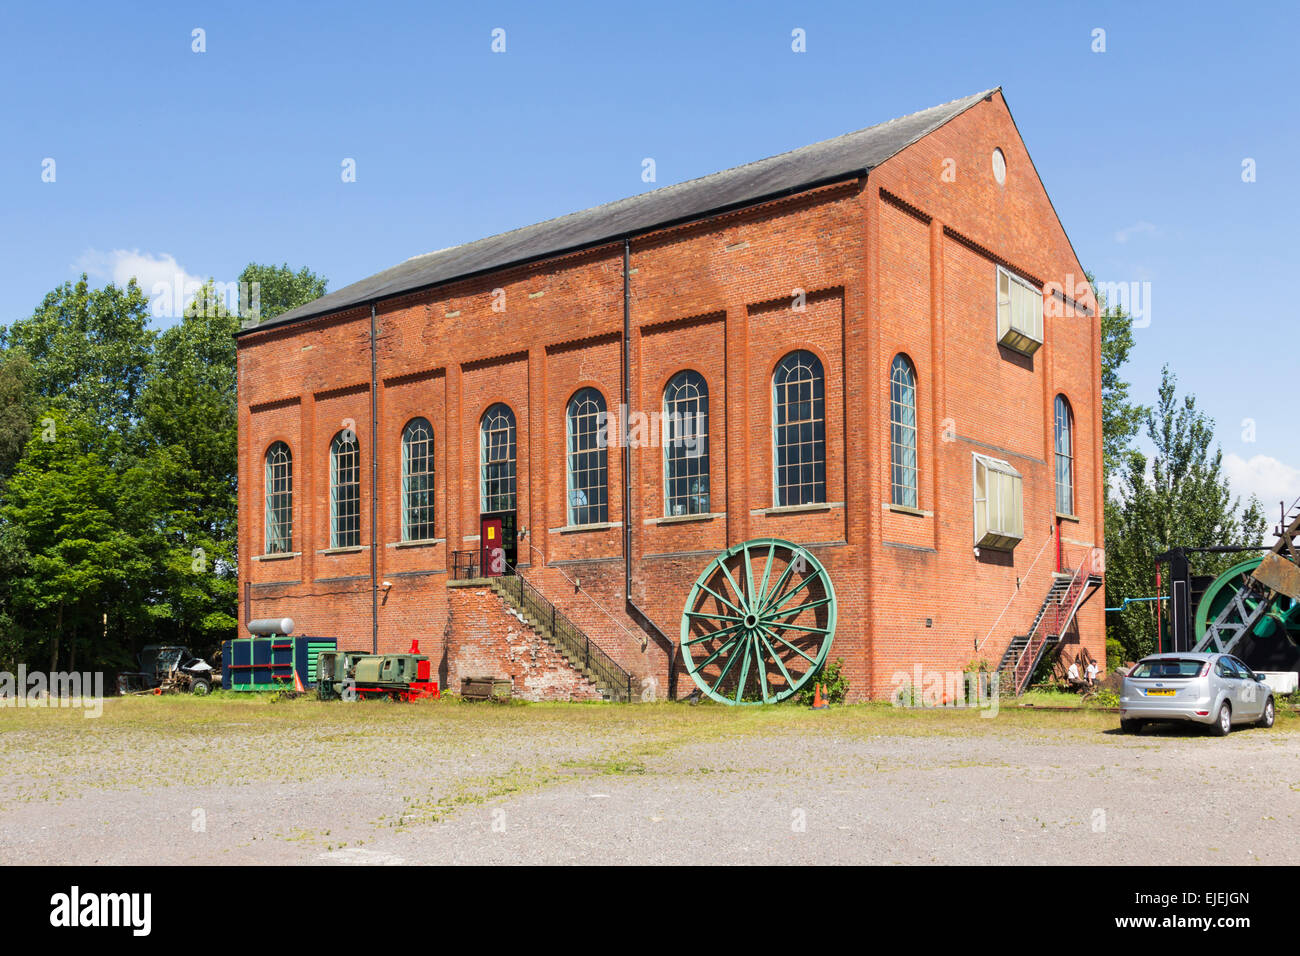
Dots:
pixel 17 409
pixel 83 543
pixel 118 498
pixel 89 351
pixel 188 413
pixel 1179 496
pixel 1121 418
pixel 280 288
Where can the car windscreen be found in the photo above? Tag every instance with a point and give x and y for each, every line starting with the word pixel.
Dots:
pixel 1167 667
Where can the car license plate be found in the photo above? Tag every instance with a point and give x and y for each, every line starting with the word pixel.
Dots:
pixel 1160 693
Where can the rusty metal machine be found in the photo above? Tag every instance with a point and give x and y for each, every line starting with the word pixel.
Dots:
pixel 167 669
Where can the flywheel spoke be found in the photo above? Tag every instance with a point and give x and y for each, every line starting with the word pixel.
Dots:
pixel 801 627
pixel 731 659
pixel 714 656
pixel 790 681
pixel 744 670
pixel 712 617
pixel 785 598
pixel 709 590
pixel 711 635
pixel 820 602
pixel 762 668
pixel 801 653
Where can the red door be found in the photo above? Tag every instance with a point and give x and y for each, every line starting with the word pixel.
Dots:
pixel 491 555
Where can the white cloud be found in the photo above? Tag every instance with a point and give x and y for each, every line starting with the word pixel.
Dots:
pixel 1140 228
pixel 161 278
pixel 1267 478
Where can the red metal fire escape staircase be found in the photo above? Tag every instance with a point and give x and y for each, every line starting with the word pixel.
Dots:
pixel 1058 610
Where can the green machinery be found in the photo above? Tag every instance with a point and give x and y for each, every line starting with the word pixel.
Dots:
pixel 758 623
pixel 1281 616
pixel 354 675
pixel 1251 609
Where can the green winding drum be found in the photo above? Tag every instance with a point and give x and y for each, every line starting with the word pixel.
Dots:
pixel 1282 617
pixel 758 623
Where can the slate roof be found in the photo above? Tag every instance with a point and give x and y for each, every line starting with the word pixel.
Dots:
pixel 853 154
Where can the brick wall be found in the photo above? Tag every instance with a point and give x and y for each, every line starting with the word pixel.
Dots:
pixel 901 262
pixel 485 639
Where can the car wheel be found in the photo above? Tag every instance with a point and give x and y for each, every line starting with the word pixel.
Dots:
pixel 1266 718
pixel 201 688
pixel 1130 726
pixel 1223 725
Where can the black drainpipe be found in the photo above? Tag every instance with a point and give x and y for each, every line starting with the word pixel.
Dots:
pixel 374 482
pixel 641 617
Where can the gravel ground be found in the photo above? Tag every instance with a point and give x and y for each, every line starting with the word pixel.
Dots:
pixel 222 781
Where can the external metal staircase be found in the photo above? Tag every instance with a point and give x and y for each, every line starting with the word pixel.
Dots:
pixel 1057 612
pixel 576 647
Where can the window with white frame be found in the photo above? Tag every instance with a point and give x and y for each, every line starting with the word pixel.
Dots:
pixel 902 432
pixel 999 504
pixel 799 430
pixel 497 459
pixel 345 491
pixel 279 499
pixel 1064 457
pixel 1020 313
pixel 686 445
pixel 417 481
pixel 587 430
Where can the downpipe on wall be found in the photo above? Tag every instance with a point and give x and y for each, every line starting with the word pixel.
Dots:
pixel 635 612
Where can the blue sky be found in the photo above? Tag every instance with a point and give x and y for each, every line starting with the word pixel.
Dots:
pixel 168 161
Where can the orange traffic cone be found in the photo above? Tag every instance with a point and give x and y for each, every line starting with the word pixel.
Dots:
pixel 297 682
pixel 819 702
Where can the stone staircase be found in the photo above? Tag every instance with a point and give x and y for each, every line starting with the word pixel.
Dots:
pixel 584 655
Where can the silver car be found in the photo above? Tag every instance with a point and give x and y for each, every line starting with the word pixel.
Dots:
pixel 1213 689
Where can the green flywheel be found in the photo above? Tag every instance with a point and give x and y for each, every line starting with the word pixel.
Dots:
pixel 758 622
pixel 1281 618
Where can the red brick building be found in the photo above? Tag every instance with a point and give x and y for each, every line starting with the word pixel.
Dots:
pixel 901 364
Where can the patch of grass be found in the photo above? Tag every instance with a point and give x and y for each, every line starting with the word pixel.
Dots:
pixel 1049 698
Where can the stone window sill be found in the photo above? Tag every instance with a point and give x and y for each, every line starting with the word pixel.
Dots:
pixel 685 519
pixel 580 528
pixel 421 543
pixel 798 509
pixel 278 556
pixel 905 510
pixel 355 549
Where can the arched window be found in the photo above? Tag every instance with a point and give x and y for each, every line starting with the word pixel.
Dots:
pixel 799 430
pixel 345 491
pixel 1064 457
pixel 902 432
pixel 417 481
pixel 496 434
pixel 686 445
pixel 279 499
pixel 588 458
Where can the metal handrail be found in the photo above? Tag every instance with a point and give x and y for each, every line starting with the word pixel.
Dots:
pixel 464 565
pixel 1062 612
pixel 568 636
pixel 1024 579
pixel 589 596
